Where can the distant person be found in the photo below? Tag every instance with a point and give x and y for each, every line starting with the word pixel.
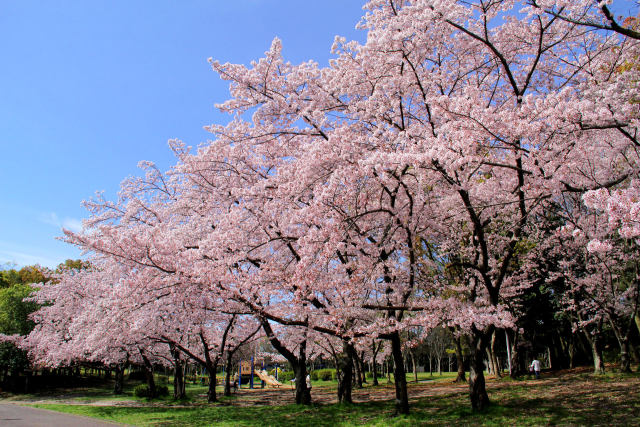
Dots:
pixel 236 377
pixel 535 368
pixel 309 382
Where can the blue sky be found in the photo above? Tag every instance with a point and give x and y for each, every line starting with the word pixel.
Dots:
pixel 89 88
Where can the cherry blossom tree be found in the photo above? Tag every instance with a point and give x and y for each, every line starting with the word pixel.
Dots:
pixel 396 189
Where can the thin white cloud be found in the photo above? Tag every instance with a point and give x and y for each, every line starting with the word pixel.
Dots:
pixel 72 224
pixel 21 258
pixel 51 218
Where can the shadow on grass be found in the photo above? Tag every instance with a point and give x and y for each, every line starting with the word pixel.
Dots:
pixel 575 400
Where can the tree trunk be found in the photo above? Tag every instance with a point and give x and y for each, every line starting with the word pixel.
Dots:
pixel 374 366
pixel 344 372
pixel 303 394
pixel 400 379
pixel 598 361
pixel 477 388
pixel 596 348
pixel 623 341
pixel 413 365
pixel 515 357
pixel 227 375
pixel 460 378
pixel 494 359
pixel 298 363
pixel 119 383
pixel 362 367
pixel 212 367
pixel 625 361
pixel 148 372
pixel 178 377
pixel 356 365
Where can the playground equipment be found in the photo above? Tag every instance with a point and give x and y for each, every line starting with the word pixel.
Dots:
pixel 269 379
pixel 248 368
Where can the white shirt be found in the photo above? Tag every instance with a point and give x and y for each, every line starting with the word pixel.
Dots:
pixel 536 365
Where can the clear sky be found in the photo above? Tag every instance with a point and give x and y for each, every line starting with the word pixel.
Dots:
pixel 88 88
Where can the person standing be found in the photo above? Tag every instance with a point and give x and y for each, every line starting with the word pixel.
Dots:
pixel 535 367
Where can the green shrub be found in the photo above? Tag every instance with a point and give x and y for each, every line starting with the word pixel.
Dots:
pixel 314 375
pixel 162 390
pixel 368 374
pixel 142 390
pixel 325 374
pixel 286 376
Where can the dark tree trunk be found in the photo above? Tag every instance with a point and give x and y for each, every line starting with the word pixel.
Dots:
pixel 303 394
pixel 460 378
pixel 119 382
pixel 477 387
pixel 356 365
pixel 362 368
pixel 298 363
pixel 516 370
pixel 148 373
pixel 400 379
pixel 375 349
pixel 415 368
pixel 623 341
pixel 374 368
pixel 212 367
pixel 227 375
pixel 178 377
pixel 344 373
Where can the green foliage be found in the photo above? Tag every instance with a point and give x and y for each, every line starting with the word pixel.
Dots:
pixel 286 376
pixel 142 390
pixel 72 264
pixel 14 312
pixel 9 278
pixel 323 374
pixel 12 358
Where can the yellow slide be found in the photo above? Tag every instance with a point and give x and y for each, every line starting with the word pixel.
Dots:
pixel 269 379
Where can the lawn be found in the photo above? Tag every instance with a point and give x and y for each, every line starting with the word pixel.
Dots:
pixel 568 398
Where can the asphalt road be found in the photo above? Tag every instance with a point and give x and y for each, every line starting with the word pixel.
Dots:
pixel 22 416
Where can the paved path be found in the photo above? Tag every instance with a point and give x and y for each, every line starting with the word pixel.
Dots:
pixel 22 416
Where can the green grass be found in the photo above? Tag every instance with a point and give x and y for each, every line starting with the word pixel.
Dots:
pixel 573 399
pixel 432 412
